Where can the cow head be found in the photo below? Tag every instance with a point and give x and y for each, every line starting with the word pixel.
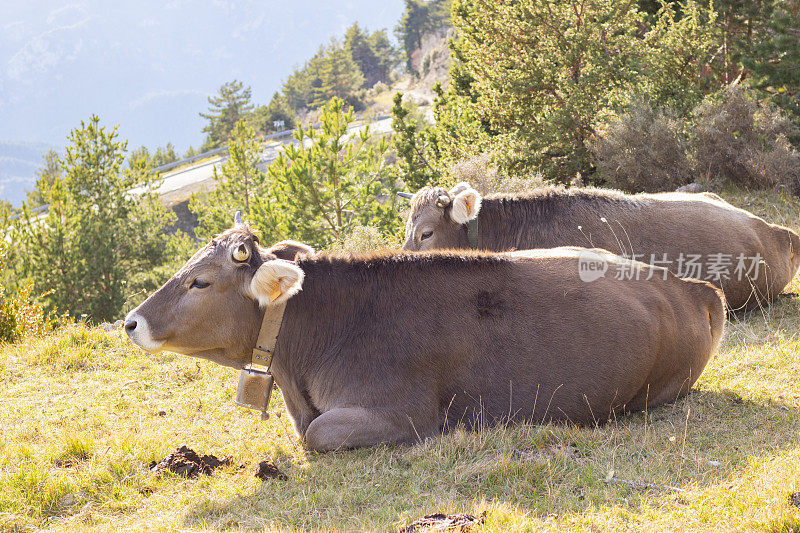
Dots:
pixel 213 306
pixel 438 217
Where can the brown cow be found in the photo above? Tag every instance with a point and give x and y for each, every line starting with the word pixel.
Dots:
pixel 694 235
pixel 397 347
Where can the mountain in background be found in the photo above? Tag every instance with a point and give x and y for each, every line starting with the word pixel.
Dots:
pixel 19 162
pixel 148 66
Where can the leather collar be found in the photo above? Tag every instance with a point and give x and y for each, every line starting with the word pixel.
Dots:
pixel 268 336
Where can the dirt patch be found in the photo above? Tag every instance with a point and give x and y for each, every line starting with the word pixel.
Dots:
pixel 442 522
pixel 188 463
pixel 267 470
pixel 794 499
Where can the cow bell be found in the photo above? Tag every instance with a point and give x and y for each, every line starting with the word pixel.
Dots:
pixel 255 388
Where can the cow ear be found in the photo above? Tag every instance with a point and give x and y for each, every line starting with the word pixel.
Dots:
pixel 458 187
pixel 466 205
pixel 275 282
pixel 289 250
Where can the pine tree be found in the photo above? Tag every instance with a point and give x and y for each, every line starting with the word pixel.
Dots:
pixel 328 183
pixel 299 86
pixel 533 78
pixel 743 25
pixel 420 17
pixel 416 147
pixel 776 60
pixel 532 81
pixel 278 109
pixel 225 110
pixel 386 55
pixel 239 181
pixel 355 42
pixel 339 76
pixel 164 156
pixel 139 157
pixel 99 231
pixel 45 176
pixel 680 54
pixel 373 53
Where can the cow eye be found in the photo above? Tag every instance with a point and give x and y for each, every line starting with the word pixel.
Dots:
pixel 426 235
pixel 197 284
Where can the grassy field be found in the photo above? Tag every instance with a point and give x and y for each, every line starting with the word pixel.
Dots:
pixel 83 412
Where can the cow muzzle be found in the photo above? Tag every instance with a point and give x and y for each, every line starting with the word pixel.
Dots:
pixel 138 330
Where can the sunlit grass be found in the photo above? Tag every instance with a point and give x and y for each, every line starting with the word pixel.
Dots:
pixel 83 412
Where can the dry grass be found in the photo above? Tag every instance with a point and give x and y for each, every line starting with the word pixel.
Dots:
pixel 82 413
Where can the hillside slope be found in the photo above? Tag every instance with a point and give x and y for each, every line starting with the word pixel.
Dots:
pixel 84 412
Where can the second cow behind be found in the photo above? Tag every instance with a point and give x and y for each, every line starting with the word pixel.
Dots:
pixel 693 235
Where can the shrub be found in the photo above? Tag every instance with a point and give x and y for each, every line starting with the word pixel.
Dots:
pixel 643 150
pixel 364 239
pixel 725 136
pixel 379 88
pixel 21 313
pixel 742 140
pixel 486 179
pixel 780 166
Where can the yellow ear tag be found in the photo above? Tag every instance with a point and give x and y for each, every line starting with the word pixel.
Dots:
pixel 275 292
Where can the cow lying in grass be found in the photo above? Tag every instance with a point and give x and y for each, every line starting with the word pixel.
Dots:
pixel 693 235
pixel 398 347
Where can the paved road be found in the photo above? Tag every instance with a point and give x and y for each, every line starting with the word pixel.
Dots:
pixel 178 185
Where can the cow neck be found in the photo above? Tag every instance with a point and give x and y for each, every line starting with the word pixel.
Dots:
pixel 472 233
pixel 268 336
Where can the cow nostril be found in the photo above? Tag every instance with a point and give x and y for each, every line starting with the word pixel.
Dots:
pixel 130 325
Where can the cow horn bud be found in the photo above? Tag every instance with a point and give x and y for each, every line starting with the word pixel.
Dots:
pixel 443 201
pixel 237 219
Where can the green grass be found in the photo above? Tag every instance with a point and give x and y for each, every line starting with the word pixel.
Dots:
pixel 83 412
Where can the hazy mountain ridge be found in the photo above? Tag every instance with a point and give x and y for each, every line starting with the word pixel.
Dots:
pixel 148 67
pixel 19 162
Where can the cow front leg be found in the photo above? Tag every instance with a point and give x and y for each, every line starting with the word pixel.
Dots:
pixel 353 427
